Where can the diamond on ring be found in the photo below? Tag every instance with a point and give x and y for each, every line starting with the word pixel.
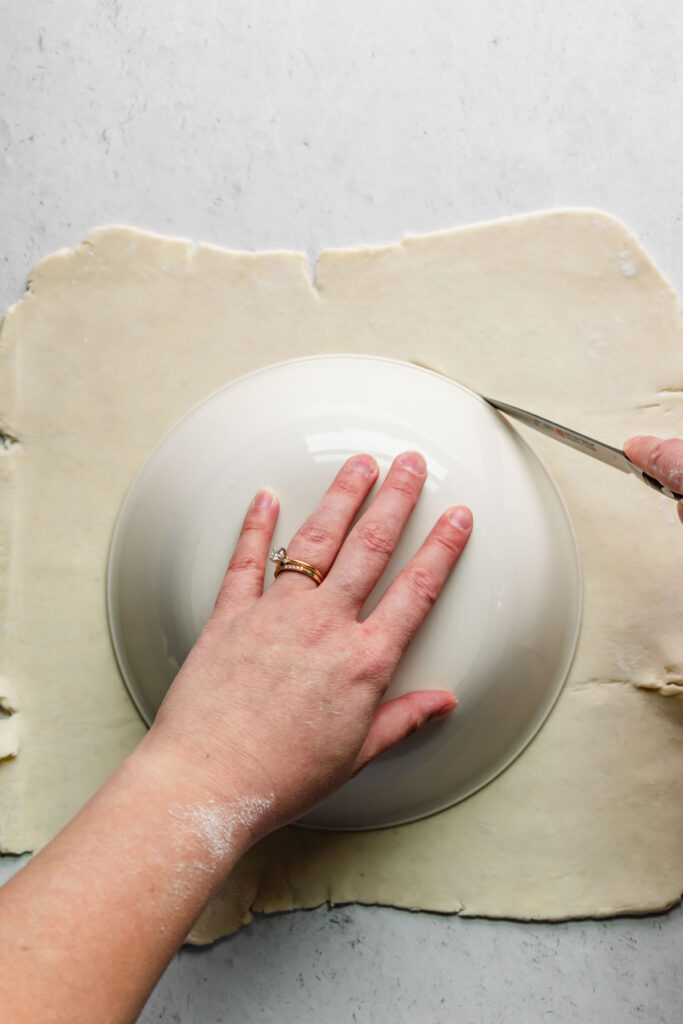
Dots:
pixel 277 554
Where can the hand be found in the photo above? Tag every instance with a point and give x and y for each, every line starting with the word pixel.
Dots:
pixel 280 695
pixel 276 706
pixel 661 459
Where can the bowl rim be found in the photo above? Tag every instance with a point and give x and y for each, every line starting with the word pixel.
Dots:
pixel 573 639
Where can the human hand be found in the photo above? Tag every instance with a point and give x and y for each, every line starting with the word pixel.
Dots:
pixel 281 693
pixel 661 459
pixel 276 706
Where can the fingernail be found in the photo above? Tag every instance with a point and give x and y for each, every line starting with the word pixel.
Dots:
pixel 445 710
pixel 460 518
pixel 264 499
pixel 413 462
pixel 363 464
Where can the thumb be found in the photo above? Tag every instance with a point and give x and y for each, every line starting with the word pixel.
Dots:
pixel 399 718
pixel 661 459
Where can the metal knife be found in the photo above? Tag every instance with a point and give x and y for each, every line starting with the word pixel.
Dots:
pixel 604 452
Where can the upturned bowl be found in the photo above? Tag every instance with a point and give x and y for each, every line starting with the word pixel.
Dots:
pixel 502 634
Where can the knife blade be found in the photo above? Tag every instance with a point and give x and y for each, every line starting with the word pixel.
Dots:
pixel 615 457
pixel 606 453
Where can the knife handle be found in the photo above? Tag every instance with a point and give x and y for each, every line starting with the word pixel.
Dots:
pixel 651 482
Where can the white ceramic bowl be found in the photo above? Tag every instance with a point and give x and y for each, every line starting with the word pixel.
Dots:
pixel 503 632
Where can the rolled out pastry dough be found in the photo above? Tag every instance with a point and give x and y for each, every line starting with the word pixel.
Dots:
pixel 560 312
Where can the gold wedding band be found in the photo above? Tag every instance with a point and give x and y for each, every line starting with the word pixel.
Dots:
pixel 285 564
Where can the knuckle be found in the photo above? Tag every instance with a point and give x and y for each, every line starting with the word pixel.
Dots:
pixel 315 533
pixel 412 715
pixel 423 583
pixel 413 721
pixel 317 629
pixel 664 450
pixel 402 485
pixel 252 524
pixel 447 540
pixel 350 590
pixel 244 563
pixel 666 461
pixel 670 450
pixel 314 633
pixel 658 451
pixel 347 482
pixel 376 537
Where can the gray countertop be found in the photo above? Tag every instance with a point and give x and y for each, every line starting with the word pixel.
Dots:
pixel 256 124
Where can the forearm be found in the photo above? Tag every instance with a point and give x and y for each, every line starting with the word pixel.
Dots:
pixel 88 926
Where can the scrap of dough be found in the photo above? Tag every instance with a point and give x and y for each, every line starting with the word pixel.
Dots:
pixel 561 312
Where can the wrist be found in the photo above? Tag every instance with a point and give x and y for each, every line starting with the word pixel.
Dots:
pixel 219 821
